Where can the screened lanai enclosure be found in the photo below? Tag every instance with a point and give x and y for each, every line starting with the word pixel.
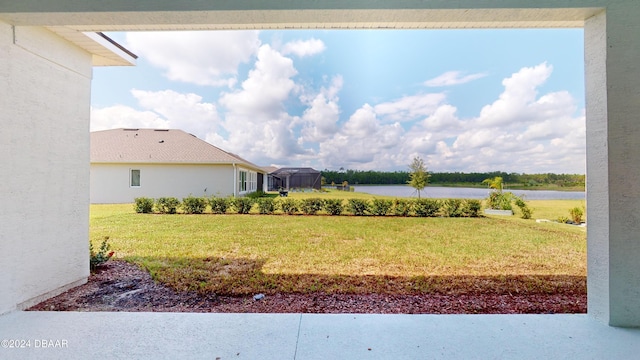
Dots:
pixel 294 178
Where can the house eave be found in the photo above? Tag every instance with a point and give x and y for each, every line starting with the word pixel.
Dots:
pixel 104 51
pixel 239 164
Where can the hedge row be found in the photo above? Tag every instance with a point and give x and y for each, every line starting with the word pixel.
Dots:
pixel 312 206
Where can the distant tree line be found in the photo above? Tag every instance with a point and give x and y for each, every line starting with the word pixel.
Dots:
pixel 358 177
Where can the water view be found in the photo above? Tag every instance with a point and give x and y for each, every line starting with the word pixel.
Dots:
pixel 464 193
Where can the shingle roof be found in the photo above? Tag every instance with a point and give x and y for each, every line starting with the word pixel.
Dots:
pixel 269 169
pixel 157 146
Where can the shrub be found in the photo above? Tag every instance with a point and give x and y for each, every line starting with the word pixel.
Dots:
pixel 266 205
pixel 333 206
pixel 401 207
pixel 102 256
pixel 358 207
pixel 167 205
pixel 500 200
pixel 243 205
pixel 453 208
pixel 526 211
pixel 380 207
pixel 194 205
pixel 288 206
pixel 576 215
pixel 311 206
pixel 219 205
pixel 426 207
pixel 472 207
pixel 143 205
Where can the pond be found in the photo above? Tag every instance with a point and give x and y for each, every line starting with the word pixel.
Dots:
pixel 440 192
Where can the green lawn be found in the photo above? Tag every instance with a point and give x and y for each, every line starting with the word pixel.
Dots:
pixel 247 254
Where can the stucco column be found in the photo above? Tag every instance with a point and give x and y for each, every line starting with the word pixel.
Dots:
pixel 612 50
pixel 45 87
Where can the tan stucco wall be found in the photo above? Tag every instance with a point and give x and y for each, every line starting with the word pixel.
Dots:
pixel 110 182
pixel 44 150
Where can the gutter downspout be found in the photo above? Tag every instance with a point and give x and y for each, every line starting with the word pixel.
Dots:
pixel 235 180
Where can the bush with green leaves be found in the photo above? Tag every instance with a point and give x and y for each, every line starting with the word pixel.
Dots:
pixel 311 206
pixel 499 200
pixel 288 206
pixel 576 214
pixel 426 207
pixel 472 207
pixel 524 209
pixel 243 205
pixel 167 205
pixel 402 207
pixel 266 205
pixel 219 205
pixel 358 207
pixel 194 205
pixel 333 206
pixel 453 208
pixel 143 205
pixel 381 207
pixel 97 258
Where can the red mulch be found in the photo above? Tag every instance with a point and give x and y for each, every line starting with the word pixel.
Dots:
pixel 120 286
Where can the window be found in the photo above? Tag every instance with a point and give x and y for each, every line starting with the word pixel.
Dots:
pixel 242 181
pixel 247 181
pixel 135 178
pixel 253 180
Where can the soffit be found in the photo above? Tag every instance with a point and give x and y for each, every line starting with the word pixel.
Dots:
pixel 105 52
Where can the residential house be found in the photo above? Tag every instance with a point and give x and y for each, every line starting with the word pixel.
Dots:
pixel 131 163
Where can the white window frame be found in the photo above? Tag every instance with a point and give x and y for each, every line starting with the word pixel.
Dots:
pixel 247 181
pixel 242 181
pixel 131 171
pixel 253 181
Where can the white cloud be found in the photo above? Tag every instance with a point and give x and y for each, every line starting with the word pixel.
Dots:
pixel 451 78
pixel 410 108
pixel 517 103
pixel 120 116
pixel 303 48
pixel 519 131
pixel 321 117
pixel 162 110
pixel 197 57
pixel 183 111
pixel 259 127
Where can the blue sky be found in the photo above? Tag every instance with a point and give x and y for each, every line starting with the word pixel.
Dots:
pixel 463 100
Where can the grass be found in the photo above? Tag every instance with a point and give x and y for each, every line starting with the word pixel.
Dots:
pixel 248 254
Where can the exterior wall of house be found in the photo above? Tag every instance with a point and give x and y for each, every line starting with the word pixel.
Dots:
pixel 45 87
pixel 612 53
pixel 110 183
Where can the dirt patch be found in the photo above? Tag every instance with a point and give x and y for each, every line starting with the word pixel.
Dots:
pixel 120 286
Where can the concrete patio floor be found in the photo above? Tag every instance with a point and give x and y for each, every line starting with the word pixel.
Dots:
pixel 82 335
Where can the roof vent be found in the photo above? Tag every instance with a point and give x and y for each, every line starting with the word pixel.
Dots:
pixel 130 129
pixel 160 129
pixel 161 141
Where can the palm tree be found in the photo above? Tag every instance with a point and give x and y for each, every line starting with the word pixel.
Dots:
pixel 495 183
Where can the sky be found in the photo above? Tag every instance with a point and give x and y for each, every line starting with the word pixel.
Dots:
pixel 462 100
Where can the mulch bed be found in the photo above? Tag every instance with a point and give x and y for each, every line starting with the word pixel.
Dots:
pixel 120 286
